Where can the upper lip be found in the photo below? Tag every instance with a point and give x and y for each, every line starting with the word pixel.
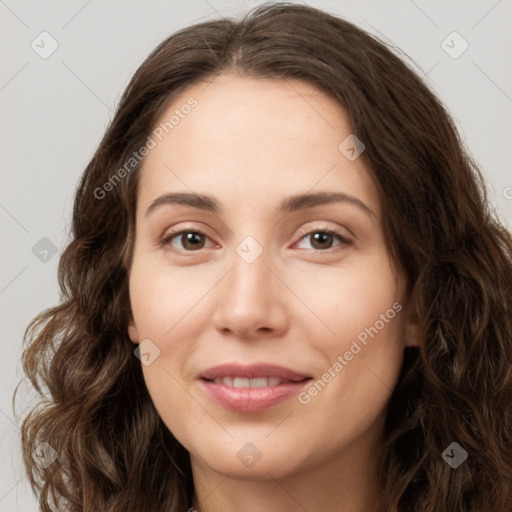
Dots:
pixel 252 371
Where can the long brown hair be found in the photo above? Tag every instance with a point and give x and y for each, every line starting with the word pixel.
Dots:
pixel 115 453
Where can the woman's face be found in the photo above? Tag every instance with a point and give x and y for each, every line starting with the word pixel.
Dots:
pixel 270 318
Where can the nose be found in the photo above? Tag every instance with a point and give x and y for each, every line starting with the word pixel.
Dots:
pixel 251 302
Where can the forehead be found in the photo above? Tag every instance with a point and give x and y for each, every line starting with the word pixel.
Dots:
pixel 257 137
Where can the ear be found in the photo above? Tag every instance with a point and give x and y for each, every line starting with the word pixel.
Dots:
pixel 412 338
pixel 132 330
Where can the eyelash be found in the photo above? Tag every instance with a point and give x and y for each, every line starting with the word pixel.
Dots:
pixel 166 240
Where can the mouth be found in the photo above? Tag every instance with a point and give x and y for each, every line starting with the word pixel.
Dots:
pixel 242 383
pixel 251 388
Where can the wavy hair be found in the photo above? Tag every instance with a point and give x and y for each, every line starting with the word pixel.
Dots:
pixel 115 453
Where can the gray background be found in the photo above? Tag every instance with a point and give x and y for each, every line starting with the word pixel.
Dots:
pixel 55 110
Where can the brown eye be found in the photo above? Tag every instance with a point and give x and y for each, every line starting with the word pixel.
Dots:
pixel 192 241
pixel 186 241
pixel 322 240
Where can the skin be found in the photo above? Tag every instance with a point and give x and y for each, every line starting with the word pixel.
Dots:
pixel 251 143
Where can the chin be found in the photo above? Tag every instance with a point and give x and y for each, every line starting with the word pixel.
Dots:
pixel 262 470
pixel 251 461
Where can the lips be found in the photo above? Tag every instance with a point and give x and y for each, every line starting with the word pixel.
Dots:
pixel 251 388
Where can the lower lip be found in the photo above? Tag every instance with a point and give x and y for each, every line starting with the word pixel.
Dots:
pixel 251 399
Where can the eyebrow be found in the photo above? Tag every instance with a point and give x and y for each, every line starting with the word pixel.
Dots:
pixel 291 204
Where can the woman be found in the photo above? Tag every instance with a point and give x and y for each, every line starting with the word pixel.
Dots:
pixel 285 290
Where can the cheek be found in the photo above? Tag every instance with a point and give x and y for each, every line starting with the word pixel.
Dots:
pixel 349 299
pixel 356 384
pixel 167 310
pixel 363 337
pixel 174 404
pixel 164 299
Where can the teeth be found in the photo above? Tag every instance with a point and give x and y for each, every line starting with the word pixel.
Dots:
pixel 259 383
pixel 241 382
